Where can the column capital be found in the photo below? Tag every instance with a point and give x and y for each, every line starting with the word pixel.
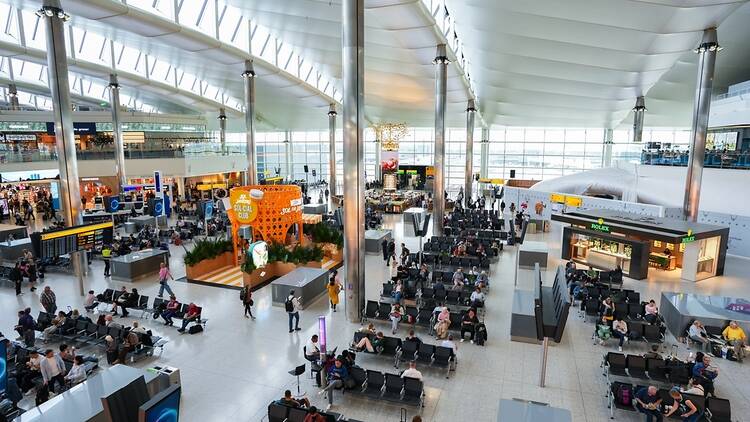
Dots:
pixel 332 110
pixel 709 42
pixel 640 104
pixel 441 56
pixel 470 108
pixel 113 83
pixel 249 70
pixel 222 114
pixel 51 9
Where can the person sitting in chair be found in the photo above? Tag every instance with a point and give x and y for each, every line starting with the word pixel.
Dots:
pixel 192 315
pixel 697 333
pixel 477 298
pixel 371 346
pixel 651 312
pixel 287 400
pixel 312 349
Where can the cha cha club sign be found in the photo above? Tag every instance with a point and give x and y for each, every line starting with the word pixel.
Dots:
pixel 245 204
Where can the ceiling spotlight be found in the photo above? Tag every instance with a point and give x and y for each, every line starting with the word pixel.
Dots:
pixel 248 74
pixel 49 12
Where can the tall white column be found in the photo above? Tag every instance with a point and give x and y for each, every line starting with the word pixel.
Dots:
pixel 638 114
pixel 607 148
pixel 441 86
pixel 251 174
pixel 706 62
pixel 114 103
pixel 353 110
pixel 332 149
pixel 57 70
pixel 222 130
pixel 469 176
pixel 485 153
pixel 288 150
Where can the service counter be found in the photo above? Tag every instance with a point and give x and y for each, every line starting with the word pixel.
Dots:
pixel 18 232
pixel 83 401
pixel 374 240
pixel 605 239
pixel 408 222
pixel 307 283
pixel 517 410
pixel 137 265
pixel 11 251
pixel 681 309
pixel 143 220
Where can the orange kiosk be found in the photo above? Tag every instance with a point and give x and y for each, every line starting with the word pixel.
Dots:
pixel 269 210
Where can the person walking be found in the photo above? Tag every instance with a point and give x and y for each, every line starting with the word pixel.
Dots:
pixel 163 274
pixel 333 290
pixel 246 295
pixel 292 306
pixel 106 255
pixel 48 300
pixel 16 277
pixel 384 247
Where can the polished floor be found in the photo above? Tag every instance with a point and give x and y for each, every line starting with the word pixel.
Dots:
pixel 237 366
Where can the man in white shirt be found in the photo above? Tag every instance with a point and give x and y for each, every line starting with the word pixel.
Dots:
pixel 697 333
pixel 412 372
pixel 52 369
pixel 77 373
pixel 137 328
pixel 449 343
pixel 312 349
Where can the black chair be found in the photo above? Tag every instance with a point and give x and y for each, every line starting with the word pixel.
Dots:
pixel 412 313
pixel 616 363
pixel 409 350
pixel 384 311
pixel 428 293
pixel 443 357
pixel 394 384
pixel 720 409
pixel 653 334
pixel 634 297
pixel 425 353
pixel 142 305
pixel 277 412
pixel 636 330
pixel 359 376
pixel 635 310
pixel 657 369
pixel 413 392
pixel 636 366
pixel 375 384
pixel 453 297
pixel 296 414
pixel 371 309
pixel 387 289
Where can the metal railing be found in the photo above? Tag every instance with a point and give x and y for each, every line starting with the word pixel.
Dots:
pixel 130 154
pixel 724 160
pixel 732 94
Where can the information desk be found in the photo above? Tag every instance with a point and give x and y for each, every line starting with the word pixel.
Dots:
pixel 83 402
pixel 530 253
pixel 681 309
pixel 11 251
pixel 374 239
pixel 527 411
pixel 522 319
pixel 315 209
pixel 408 223
pixel 18 232
pixel 147 219
pixel 307 283
pixel 99 216
pixel 137 265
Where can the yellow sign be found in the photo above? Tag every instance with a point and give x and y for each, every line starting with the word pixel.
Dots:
pixel 600 221
pixel 244 207
pixel 76 230
pixel 573 201
pixel 690 232
pixel 492 181
pixel 556 197
pixel 203 187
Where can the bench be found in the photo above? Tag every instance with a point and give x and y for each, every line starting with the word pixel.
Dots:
pixel 385 386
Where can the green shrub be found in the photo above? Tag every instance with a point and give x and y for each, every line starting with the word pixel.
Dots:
pixel 279 253
pixel 206 249
pixel 324 233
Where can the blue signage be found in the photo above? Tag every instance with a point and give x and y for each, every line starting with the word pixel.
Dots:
pixel 209 210
pixel 114 204
pixel 3 367
pixel 158 208
pixel 79 128
pixel 54 190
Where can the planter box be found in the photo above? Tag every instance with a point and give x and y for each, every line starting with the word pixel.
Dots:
pixel 275 269
pixel 195 272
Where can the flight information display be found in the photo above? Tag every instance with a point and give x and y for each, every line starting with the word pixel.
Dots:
pixel 55 243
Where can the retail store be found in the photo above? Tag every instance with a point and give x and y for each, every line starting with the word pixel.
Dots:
pixel 637 244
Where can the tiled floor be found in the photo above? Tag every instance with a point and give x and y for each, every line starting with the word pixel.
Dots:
pixel 234 369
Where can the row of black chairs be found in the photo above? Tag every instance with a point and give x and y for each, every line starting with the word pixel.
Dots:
pixel 642 331
pixel 670 371
pixel 436 258
pixel 421 317
pixel 278 412
pixel 409 350
pixel 110 296
pixel 386 386
pixel 714 409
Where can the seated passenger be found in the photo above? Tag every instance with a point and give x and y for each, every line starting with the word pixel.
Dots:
pixel 412 337
pixel 477 298
pixel 482 280
pixel 705 373
pixel 57 323
pixel 287 400
pixel 412 372
pixel 443 323
pixel 312 349
pixel 371 346
pixel 688 410
pixel 620 331
pixel 653 353
pixel 697 333
pixel 450 344
pixel 468 324
pixel 651 312
pixel 458 278
pixel 172 307
pixel 398 291
pixel 192 315
pixel 395 316
pixel 735 337
pixel 77 373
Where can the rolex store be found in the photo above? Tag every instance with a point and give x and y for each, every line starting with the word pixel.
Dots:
pixel 638 244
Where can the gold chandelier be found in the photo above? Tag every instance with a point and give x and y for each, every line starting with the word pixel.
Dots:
pixel 389 135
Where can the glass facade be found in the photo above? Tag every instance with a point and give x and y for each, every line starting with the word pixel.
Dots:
pixel 534 153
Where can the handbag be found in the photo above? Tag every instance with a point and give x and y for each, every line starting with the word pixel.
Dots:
pixel 251 302
pixel 195 329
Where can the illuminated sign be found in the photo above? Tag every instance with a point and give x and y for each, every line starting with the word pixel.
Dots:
pixel 557 198
pixel 82 230
pixel 244 205
pixel 492 181
pixel 599 226
pixel 573 201
pixel 689 238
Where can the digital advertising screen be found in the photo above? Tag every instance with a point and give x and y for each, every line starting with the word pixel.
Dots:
pixel 3 366
pixel 164 407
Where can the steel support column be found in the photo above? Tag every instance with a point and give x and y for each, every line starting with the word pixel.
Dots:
pixel 13 94
pixel 484 152
pixel 57 70
pixel 378 169
pixel 288 152
pixel 469 176
pixel 251 174
pixel 638 113
pixel 706 62
pixel 353 111
pixel 114 103
pixel 222 130
pixel 607 148
pixel 441 86
pixel 332 149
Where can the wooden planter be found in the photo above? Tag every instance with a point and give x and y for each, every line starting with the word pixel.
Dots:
pixel 274 269
pixel 195 272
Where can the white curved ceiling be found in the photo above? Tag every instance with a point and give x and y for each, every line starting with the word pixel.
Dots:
pixel 577 63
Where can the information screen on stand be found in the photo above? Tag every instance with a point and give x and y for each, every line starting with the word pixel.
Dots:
pixel 55 243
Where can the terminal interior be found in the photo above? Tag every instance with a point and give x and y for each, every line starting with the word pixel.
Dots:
pixel 548 195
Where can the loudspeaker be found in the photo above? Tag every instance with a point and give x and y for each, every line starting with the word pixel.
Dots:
pixel 305 168
pixel 512 174
pixel 313 172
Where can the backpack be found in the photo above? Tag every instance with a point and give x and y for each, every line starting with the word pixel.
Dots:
pixel 288 305
pixel 603 332
pixel 243 293
pixel 624 395
pixel 195 329
pixel 481 335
